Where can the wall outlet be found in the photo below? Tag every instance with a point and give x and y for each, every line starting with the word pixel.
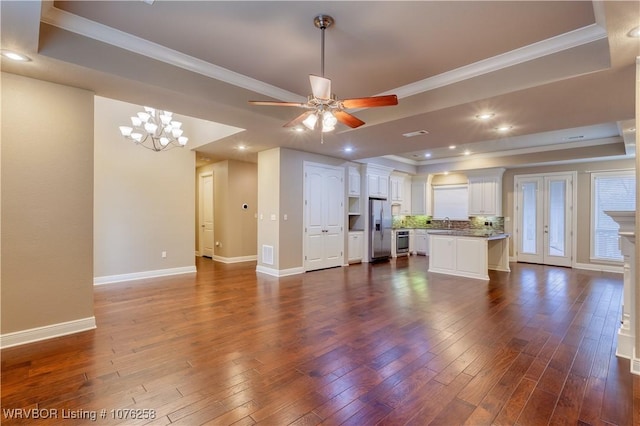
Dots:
pixel 164 254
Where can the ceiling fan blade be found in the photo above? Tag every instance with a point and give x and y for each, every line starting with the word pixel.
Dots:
pixel 348 119
pixel 374 101
pixel 320 87
pixel 299 119
pixel 270 103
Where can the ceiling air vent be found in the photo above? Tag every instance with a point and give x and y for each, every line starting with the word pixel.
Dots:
pixel 416 133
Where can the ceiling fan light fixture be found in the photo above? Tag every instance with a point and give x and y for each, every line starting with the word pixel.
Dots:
pixel 310 121
pixel 329 121
pixel 322 104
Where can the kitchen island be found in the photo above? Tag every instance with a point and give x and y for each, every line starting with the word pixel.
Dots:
pixel 468 253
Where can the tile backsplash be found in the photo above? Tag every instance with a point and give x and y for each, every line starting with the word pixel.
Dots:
pixel 427 222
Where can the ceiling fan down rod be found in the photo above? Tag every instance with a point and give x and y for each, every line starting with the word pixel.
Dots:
pixel 323 22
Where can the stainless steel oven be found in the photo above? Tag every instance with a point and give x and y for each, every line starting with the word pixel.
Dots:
pixel 402 242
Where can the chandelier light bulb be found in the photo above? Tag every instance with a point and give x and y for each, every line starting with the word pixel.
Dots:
pixel 182 140
pixel 166 119
pixel 144 117
pixel 136 136
pixel 176 124
pixel 164 141
pixel 150 127
pixel 136 121
pixel 126 130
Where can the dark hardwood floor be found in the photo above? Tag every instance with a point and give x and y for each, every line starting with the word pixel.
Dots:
pixel 384 344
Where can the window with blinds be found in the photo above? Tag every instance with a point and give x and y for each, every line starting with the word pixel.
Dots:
pixel 451 201
pixel 609 191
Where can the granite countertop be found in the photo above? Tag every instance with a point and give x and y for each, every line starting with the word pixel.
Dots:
pixel 479 233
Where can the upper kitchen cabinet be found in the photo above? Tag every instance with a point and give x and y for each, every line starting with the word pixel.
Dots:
pixel 485 192
pixel 397 188
pixel 419 195
pixel 354 182
pixel 378 181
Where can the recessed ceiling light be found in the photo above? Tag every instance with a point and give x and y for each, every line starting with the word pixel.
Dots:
pixel 485 116
pixel 427 155
pixel 348 149
pixel 504 128
pixel 467 152
pixel 445 173
pixel 452 147
pixel 241 147
pixel 299 129
pixel 14 56
pixel 635 33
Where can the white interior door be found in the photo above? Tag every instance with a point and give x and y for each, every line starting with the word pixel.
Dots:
pixel 324 216
pixel 206 215
pixel 544 228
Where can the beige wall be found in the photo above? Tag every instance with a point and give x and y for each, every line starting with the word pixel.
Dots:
pixel 47 204
pixel 144 200
pixel 583 188
pixel 235 183
pixel 281 192
pixel 269 204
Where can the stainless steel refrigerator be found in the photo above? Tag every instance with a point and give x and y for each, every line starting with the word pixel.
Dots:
pixel 379 230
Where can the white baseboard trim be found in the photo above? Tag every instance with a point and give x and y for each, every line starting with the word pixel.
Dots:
pixel 279 272
pixel 110 279
pixel 599 268
pixel 37 334
pixel 236 259
pixel 513 259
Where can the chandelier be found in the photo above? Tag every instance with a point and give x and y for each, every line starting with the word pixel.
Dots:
pixel 155 130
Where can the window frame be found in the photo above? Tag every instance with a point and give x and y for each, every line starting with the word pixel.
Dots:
pixel 592 243
pixel 436 188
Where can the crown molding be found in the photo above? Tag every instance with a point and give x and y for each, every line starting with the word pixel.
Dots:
pixel 509 152
pixel 96 31
pixel 105 34
pixel 533 51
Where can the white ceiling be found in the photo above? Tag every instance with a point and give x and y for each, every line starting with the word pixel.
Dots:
pixel 562 74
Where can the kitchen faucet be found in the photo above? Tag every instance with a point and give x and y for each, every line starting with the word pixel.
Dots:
pixel 447 222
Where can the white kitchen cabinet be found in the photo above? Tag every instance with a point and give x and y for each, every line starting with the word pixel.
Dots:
pixel 422 242
pixel 354 182
pixel 405 207
pixel 354 206
pixel 355 248
pixel 418 195
pixel 485 192
pixel 470 257
pixel 412 241
pixel 378 186
pixel 378 181
pixel 397 188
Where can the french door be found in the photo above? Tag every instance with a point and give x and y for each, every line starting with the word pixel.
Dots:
pixel 544 218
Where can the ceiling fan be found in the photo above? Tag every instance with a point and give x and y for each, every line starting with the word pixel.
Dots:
pixel 322 105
